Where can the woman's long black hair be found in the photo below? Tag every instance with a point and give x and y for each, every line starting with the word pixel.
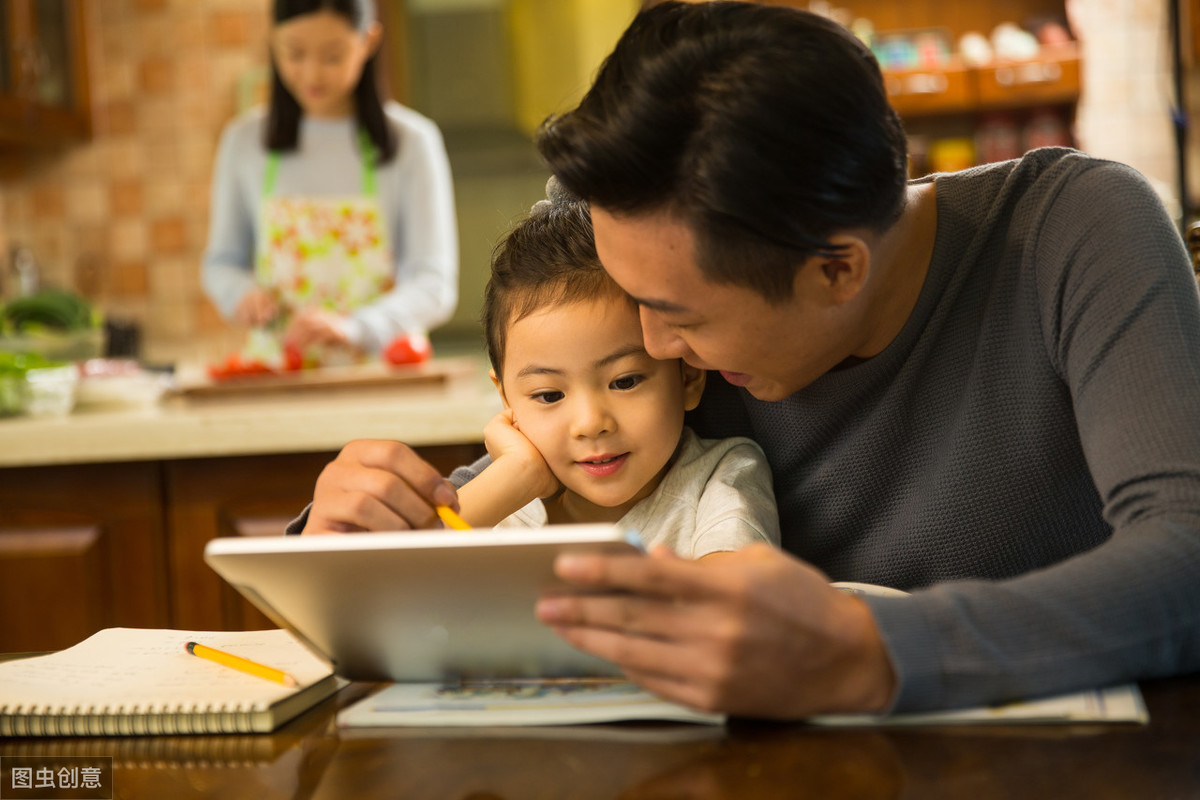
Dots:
pixel 284 112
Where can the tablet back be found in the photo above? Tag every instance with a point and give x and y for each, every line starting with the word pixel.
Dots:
pixel 419 606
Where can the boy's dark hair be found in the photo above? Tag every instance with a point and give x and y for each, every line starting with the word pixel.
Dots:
pixel 548 258
pixel 764 129
pixel 284 112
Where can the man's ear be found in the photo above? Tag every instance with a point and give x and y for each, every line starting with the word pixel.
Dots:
pixel 839 278
pixel 499 386
pixel 693 384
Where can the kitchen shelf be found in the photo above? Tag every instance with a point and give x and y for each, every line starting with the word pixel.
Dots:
pixel 1051 79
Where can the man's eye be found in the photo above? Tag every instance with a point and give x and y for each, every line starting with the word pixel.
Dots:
pixel 547 397
pixel 626 382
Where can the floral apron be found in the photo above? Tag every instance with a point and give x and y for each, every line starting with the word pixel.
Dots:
pixel 329 253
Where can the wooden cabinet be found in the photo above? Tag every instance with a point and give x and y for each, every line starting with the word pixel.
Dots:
pixel 81 548
pixel 44 93
pixel 990 112
pixel 92 546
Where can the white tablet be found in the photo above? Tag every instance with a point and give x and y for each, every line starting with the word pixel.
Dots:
pixel 419 606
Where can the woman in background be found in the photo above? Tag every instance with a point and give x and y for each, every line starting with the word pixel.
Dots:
pixel 333 225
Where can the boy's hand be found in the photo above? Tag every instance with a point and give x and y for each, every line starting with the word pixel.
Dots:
pixel 504 440
pixel 376 485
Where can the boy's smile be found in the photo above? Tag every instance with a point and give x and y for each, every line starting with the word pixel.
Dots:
pixel 605 416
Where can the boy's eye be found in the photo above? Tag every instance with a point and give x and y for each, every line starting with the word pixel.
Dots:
pixel 547 397
pixel 626 382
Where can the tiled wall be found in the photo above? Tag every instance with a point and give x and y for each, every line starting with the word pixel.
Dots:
pixel 133 201
pixel 1124 113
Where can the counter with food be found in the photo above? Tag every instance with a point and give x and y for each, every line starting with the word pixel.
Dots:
pixel 142 415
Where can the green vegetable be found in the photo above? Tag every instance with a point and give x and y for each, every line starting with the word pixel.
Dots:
pixel 20 363
pixel 48 310
pixel 13 388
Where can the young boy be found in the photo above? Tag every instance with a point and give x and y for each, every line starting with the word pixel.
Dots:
pixel 593 427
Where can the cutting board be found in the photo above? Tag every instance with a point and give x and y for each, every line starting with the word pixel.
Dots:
pixel 198 385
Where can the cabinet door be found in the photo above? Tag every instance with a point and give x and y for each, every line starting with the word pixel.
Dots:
pixel 44 91
pixel 243 496
pixel 80 550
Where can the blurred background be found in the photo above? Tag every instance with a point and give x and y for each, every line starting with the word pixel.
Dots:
pixel 110 112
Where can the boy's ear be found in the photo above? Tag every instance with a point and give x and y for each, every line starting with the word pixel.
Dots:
pixel 499 386
pixel 693 385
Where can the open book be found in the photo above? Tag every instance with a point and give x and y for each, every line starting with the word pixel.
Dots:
pixel 561 701
pixel 142 681
pixel 1112 704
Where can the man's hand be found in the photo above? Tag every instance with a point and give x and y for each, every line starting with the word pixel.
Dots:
pixel 754 633
pixel 376 485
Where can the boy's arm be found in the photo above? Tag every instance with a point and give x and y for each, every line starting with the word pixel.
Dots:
pixel 517 476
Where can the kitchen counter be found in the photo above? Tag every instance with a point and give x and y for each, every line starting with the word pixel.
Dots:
pixel 105 512
pixel 293 422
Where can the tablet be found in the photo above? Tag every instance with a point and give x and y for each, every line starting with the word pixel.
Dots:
pixel 420 606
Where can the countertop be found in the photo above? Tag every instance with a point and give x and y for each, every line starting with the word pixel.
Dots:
pixel 295 422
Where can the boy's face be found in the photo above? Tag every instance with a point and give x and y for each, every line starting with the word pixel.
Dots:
pixel 605 415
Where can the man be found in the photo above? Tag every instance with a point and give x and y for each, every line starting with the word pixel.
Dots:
pixel 981 387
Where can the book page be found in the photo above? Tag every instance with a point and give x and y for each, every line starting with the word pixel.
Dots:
pixel 149 668
pixel 1114 704
pixel 531 702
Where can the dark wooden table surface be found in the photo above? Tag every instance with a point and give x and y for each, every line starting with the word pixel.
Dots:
pixel 311 758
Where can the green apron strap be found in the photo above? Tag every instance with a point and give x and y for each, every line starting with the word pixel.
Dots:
pixel 270 173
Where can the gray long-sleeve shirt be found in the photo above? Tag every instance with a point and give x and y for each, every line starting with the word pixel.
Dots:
pixel 1024 456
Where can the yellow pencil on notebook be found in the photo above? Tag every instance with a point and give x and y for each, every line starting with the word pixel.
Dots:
pixel 451 519
pixel 239 663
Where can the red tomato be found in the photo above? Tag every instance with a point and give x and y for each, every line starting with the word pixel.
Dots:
pixel 235 367
pixel 293 359
pixel 408 350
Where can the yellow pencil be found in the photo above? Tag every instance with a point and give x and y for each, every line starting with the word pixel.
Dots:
pixel 239 663
pixel 451 519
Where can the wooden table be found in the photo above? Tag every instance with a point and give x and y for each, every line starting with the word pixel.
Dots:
pixel 309 758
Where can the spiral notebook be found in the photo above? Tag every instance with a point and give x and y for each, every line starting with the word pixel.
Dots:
pixel 139 681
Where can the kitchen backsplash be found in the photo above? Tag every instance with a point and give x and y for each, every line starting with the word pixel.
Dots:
pixel 132 202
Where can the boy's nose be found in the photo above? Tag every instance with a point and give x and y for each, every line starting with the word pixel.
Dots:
pixel 592 419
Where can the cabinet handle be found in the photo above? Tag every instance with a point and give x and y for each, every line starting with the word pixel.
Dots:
pixel 1033 72
pixel 918 83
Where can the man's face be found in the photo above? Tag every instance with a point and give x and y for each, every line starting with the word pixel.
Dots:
pixel 772 349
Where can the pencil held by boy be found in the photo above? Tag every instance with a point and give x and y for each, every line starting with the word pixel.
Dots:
pixel 593 428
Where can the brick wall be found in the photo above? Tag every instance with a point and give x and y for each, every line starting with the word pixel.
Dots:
pixel 133 201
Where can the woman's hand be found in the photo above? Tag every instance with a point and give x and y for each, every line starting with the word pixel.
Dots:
pixel 507 445
pixel 377 485
pixel 755 633
pixel 256 308
pixel 312 326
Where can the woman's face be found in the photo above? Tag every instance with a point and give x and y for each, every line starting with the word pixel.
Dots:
pixel 319 58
